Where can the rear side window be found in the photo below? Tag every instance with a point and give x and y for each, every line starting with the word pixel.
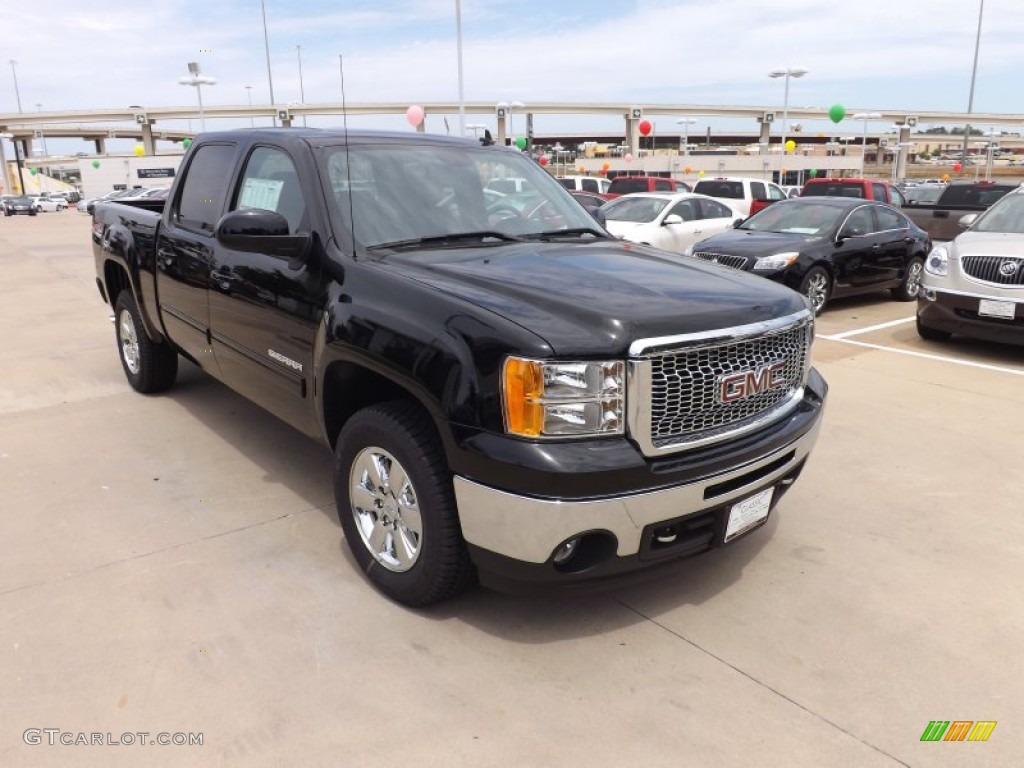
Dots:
pixel 716 188
pixel 889 219
pixel 878 191
pixel 201 199
pixel 711 209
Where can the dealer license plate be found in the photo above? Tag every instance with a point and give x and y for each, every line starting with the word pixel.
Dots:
pixel 992 308
pixel 746 514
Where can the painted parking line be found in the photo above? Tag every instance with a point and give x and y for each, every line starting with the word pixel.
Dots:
pixel 869 329
pixel 928 356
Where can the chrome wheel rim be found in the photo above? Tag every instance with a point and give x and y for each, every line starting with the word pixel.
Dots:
pixel 817 291
pixel 129 341
pixel 914 279
pixel 385 509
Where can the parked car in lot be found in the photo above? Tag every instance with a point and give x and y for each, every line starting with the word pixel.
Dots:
pixel 596 184
pixel 863 189
pixel 627 185
pixel 671 222
pixel 49 204
pixel 923 194
pixel 957 199
pixel 745 195
pixel 974 285
pixel 589 200
pixel 826 247
pixel 20 205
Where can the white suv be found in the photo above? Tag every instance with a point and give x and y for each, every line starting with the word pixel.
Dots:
pixel 739 193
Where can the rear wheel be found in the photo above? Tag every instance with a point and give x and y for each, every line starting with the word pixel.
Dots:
pixel 397 507
pixel 817 287
pixel 148 366
pixel 911 284
pixel 931 334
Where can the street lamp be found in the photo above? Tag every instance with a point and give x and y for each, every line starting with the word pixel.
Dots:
pixel 197 80
pixel 458 53
pixel 474 127
pixel 14 74
pixel 248 91
pixel 974 72
pixel 686 122
pixel 302 88
pixel 266 48
pixel 507 106
pixel 865 116
pixel 786 73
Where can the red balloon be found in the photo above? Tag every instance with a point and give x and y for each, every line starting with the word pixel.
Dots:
pixel 956 167
pixel 645 127
pixel 543 160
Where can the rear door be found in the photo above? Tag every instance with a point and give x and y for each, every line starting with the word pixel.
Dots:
pixel 855 258
pixel 185 250
pixel 894 243
pixel 264 310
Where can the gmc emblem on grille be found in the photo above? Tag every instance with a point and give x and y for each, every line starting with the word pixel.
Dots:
pixel 744 384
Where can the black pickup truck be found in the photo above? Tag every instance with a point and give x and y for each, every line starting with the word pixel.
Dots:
pixel 941 218
pixel 510 393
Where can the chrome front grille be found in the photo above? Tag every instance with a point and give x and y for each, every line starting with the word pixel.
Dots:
pixel 711 387
pixel 736 262
pixel 997 270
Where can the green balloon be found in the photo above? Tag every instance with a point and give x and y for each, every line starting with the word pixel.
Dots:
pixel 837 113
pixel 95 163
pixel 186 143
pixel 812 173
pixel 521 143
pixel 34 171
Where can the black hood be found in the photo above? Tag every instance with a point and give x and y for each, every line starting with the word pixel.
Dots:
pixel 747 242
pixel 594 298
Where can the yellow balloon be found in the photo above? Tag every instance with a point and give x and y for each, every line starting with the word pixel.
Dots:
pixel 790 145
pixel 700 174
pixel 140 150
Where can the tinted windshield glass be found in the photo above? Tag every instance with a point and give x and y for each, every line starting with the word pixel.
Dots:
pixel 625 186
pixel 975 194
pixel 795 218
pixel 716 188
pixel 399 192
pixel 835 189
pixel 1005 216
pixel 636 209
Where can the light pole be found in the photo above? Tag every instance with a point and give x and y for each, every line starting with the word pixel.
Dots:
pixel 266 47
pixel 507 106
pixel 302 87
pixel 14 74
pixel 197 80
pixel 865 116
pixel 474 127
pixel 974 72
pixel 458 52
pixel 248 91
pixel 686 122
pixel 786 73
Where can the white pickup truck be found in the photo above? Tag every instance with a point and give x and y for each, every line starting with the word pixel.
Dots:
pixel 740 193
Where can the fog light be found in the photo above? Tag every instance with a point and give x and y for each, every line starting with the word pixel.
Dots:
pixel 565 551
pixel 928 294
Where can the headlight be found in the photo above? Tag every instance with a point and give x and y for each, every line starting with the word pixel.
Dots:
pixel 776 260
pixel 544 399
pixel 937 262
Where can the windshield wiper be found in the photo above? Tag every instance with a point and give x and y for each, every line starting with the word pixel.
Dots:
pixel 454 237
pixel 574 232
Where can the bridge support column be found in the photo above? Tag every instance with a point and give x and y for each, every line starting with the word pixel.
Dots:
pixel 147 139
pixel 502 129
pixel 101 146
pixel 903 152
pixel 632 135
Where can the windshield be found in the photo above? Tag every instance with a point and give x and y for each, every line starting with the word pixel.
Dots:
pixel 405 192
pixel 635 209
pixel 627 186
pixel 795 218
pixel 1007 215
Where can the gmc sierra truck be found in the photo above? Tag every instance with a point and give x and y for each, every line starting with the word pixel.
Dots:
pixel 941 219
pixel 510 393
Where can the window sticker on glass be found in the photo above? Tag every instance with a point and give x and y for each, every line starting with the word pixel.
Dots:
pixel 261 193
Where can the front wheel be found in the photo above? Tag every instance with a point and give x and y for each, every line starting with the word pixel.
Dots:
pixel 397 507
pixel 911 285
pixel 149 366
pixel 817 287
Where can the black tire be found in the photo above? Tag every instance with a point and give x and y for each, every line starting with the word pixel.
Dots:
pixel 441 567
pixel 817 287
pixel 910 286
pixel 153 366
pixel 931 334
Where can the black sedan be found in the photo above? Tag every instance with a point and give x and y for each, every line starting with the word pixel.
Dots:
pixel 15 205
pixel 825 247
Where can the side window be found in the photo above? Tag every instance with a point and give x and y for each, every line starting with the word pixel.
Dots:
pixel 859 222
pixel 590 185
pixel 775 193
pixel 201 199
pixel 663 185
pixel 757 190
pixel 271 183
pixel 878 192
pixel 685 210
pixel 712 209
pixel 889 219
pixel 898 197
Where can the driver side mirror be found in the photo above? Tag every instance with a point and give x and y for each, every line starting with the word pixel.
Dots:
pixel 672 218
pixel 738 223
pixel 965 222
pixel 258 231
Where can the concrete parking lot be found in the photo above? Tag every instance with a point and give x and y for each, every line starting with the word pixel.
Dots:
pixel 174 564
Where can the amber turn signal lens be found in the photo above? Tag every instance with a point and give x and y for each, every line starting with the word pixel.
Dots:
pixel 524 388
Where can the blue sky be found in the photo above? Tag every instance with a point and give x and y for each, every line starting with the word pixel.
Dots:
pixel 872 54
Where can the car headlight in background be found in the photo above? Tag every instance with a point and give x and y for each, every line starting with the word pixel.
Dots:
pixel 564 399
pixel 776 260
pixel 937 262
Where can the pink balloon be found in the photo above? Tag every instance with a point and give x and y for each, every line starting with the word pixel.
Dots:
pixel 414 115
pixel 628 157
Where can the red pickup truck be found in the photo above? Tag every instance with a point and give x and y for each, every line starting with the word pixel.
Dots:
pixel 867 189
